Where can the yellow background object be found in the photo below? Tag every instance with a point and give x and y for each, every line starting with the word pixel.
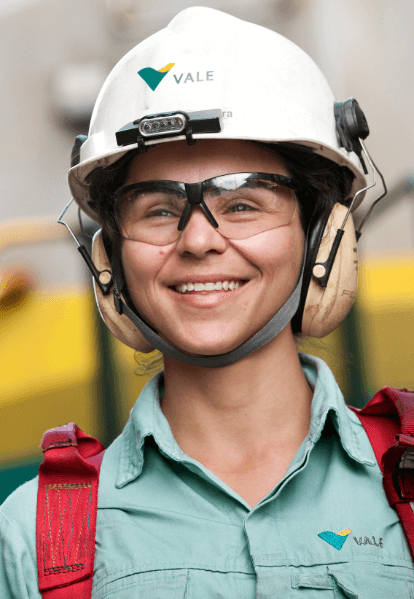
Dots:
pixel 385 303
pixel 49 371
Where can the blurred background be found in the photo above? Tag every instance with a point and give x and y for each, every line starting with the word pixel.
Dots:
pixel 57 362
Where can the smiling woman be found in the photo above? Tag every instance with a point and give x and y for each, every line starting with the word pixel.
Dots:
pixel 222 239
pixel 319 184
pixel 266 262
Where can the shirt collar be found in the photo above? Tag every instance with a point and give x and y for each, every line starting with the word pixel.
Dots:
pixel 328 400
pixel 146 419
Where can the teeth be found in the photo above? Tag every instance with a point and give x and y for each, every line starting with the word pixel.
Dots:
pixel 226 285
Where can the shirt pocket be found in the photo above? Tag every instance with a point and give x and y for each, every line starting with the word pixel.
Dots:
pixel 159 584
pixel 374 581
pixel 320 586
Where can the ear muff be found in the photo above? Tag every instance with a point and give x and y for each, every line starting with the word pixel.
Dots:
pixel 326 307
pixel 119 324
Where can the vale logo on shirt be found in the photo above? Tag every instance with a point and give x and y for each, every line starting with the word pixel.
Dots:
pixel 336 539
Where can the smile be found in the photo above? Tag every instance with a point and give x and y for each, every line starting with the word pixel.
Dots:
pixel 228 285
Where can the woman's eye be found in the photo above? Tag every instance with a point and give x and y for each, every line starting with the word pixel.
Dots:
pixel 162 212
pixel 240 207
pixel 157 209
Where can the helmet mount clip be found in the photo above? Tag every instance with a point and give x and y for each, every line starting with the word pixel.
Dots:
pixel 351 126
pixel 75 156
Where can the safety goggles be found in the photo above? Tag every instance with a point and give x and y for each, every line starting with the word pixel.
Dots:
pixel 238 205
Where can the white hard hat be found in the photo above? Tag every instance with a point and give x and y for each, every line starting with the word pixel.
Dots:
pixel 209 75
pixel 266 88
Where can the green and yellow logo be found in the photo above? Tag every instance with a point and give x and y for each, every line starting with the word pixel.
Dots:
pixel 336 539
pixel 152 77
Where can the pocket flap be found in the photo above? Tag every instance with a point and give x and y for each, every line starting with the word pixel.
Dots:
pixel 160 584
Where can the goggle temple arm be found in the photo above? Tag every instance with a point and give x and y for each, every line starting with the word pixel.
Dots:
pixel 103 278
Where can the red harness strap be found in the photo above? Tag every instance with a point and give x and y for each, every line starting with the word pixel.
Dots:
pixel 388 420
pixel 66 512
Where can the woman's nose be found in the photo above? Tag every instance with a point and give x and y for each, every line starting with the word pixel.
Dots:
pixel 199 236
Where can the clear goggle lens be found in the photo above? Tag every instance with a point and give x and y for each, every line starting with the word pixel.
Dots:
pixel 241 204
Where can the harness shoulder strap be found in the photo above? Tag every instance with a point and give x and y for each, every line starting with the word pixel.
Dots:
pixel 388 420
pixel 67 503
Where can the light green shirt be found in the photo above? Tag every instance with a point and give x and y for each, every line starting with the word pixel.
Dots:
pixel 168 528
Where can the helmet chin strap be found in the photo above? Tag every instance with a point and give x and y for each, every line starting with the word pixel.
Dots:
pixel 270 330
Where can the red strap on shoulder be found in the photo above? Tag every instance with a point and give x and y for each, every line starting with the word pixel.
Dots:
pixel 388 420
pixel 67 503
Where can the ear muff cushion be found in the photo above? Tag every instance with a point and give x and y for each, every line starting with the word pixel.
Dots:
pixel 326 307
pixel 119 324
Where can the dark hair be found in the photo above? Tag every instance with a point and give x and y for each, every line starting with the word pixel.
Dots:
pixel 324 183
pixel 102 184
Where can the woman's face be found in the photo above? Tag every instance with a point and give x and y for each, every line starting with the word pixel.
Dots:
pixel 266 265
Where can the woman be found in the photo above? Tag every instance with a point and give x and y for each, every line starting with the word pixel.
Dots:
pixel 220 188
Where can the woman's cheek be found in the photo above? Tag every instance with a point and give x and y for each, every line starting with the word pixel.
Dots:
pixel 269 250
pixel 137 266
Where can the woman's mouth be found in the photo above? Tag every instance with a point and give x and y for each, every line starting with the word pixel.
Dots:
pixel 194 287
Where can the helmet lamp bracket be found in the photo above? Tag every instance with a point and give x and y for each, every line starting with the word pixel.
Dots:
pixel 169 124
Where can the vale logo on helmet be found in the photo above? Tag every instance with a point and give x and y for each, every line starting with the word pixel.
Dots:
pixel 153 78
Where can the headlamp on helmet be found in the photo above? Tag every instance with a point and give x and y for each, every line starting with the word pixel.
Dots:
pixel 169 124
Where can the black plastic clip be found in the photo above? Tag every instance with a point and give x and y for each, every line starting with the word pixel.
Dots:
pixel 105 287
pixel 325 267
pixel 189 135
pixel 142 148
